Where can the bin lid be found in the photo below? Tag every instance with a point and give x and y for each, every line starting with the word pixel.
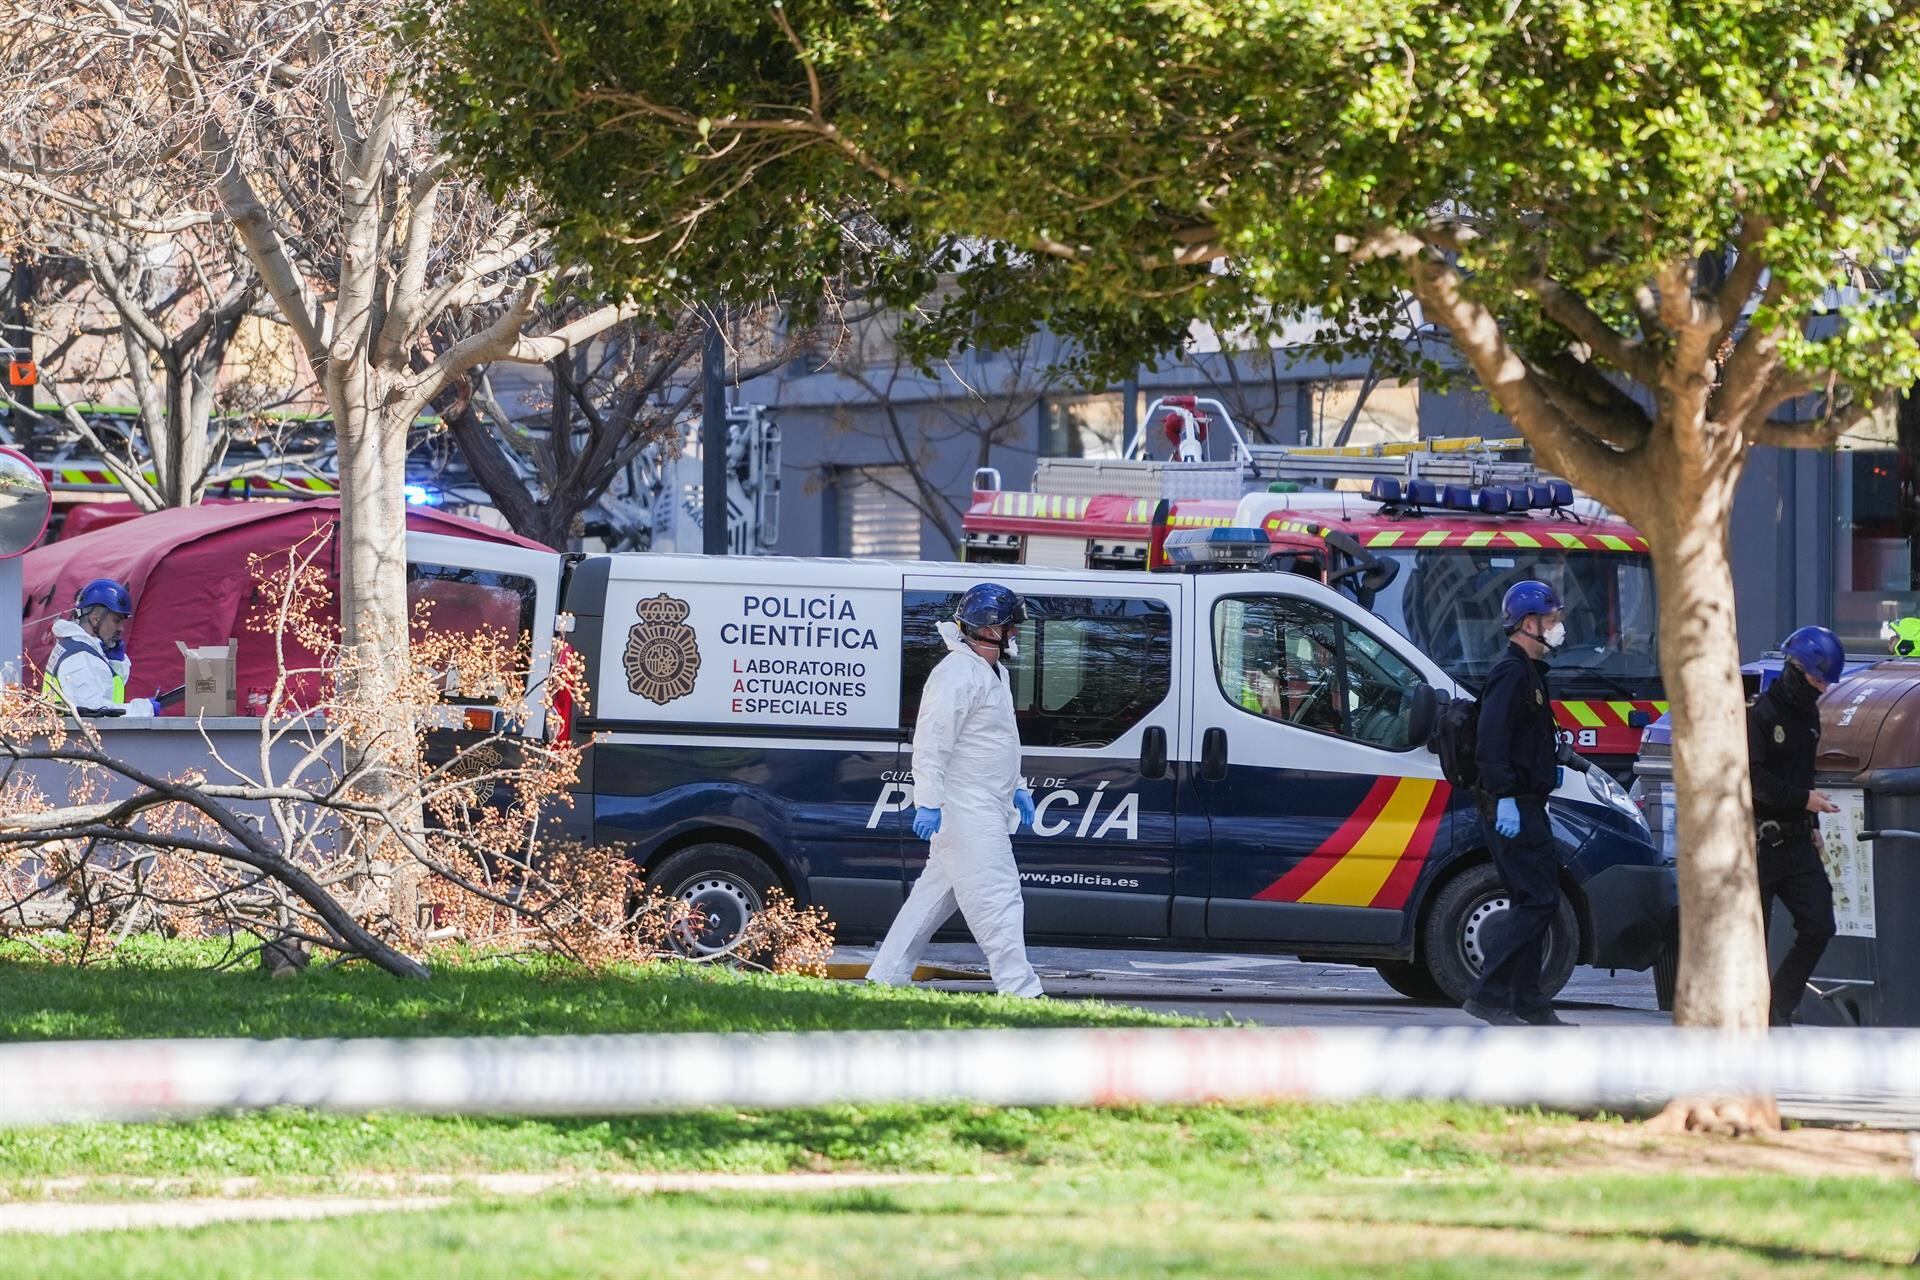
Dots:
pixel 1871 720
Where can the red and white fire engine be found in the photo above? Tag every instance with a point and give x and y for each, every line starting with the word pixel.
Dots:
pixel 1427 534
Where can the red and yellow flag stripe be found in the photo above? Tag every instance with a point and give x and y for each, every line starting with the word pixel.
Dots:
pixel 1373 858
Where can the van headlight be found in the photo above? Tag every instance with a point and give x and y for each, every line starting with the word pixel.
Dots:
pixel 1614 796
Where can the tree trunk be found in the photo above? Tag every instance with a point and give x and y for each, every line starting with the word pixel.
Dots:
pixel 373 627
pixel 1723 967
pixel 181 450
pixel 1723 980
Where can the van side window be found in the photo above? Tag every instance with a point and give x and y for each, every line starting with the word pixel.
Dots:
pixel 1090 667
pixel 1304 665
pixel 471 602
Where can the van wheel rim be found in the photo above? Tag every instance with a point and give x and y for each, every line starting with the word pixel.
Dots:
pixel 1473 935
pixel 723 906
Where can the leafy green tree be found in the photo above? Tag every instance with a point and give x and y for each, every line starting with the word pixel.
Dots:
pixel 1645 224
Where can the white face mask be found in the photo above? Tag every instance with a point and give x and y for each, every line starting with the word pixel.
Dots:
pixel 1554 636
pixel 1012 649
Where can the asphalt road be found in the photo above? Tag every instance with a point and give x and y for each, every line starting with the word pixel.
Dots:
pixel 1282 992
pixel 1275 990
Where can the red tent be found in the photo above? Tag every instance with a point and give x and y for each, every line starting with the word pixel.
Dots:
pixel 85 517
pixel 187 570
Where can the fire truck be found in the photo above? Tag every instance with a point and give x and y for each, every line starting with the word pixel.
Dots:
pixel 1428 535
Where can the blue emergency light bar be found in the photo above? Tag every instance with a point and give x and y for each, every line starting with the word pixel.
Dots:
pixel 1495 500
pixel 1224 547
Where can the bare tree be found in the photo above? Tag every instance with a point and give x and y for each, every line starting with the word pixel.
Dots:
pixel 606 403
pixel 998 411
pixel 293 125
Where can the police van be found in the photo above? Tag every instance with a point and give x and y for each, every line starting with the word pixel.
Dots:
pixel 1219 760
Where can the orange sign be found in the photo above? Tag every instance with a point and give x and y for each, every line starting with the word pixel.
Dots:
pixel 22 373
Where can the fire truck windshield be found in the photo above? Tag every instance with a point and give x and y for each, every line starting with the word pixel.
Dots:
pixel 1447 601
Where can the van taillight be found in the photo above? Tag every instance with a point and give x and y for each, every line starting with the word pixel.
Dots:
pixel 560 719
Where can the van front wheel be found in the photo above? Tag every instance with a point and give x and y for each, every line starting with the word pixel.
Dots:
pixel 1465 917
pixel 724 885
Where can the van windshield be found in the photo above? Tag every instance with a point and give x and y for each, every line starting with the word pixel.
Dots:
pixel 1447 601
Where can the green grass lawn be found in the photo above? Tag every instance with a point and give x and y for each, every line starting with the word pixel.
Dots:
pixel 151 988
pixel 1290 1189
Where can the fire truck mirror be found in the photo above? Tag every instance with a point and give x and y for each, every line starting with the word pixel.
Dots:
pixel 25 504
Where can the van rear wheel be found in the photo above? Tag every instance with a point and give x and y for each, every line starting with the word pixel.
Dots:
pixel 1411 979
pixel 726 886
pixel 1465 916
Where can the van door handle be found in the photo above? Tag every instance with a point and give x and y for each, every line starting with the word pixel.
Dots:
pixel 1153 752
pixel 1213 754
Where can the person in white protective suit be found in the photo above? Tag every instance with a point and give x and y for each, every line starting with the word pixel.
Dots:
pixel 968 795
pixel 88 667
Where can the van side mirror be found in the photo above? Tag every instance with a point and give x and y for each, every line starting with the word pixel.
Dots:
pixel 1422 716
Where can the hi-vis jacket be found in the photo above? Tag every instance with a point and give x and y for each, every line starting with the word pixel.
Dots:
pixel 80 673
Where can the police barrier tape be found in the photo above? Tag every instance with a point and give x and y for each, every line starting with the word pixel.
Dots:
pixel 604 1075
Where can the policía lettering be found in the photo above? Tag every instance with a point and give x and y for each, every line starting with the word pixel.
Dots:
pixel 1120 820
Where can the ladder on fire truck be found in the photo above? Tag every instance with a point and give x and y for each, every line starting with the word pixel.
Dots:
pixel 1191 424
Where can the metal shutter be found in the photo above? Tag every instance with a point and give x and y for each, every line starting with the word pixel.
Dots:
pixel 874 519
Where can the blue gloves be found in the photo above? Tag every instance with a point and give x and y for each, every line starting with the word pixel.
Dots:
pixel 925 822
pixel 1506 817
pixel 155 704
pixel 1023 801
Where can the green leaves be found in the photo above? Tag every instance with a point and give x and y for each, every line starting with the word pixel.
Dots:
pixel 1137 166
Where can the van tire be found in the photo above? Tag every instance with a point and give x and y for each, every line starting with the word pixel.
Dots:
pixel 1666 975
pixel 728 885
pixel 1453 934
pixel 1411 979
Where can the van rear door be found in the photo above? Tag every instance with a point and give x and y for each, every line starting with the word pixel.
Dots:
pixel 469 587
pixel 1322 815
pixel 1093 692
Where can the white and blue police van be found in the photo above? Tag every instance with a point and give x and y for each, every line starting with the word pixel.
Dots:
pixel 1230 760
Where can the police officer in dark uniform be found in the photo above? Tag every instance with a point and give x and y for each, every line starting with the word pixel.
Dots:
pixel 1516 748
pixel 1783 736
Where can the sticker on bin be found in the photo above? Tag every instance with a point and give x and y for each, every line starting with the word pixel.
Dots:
pixel 1849 863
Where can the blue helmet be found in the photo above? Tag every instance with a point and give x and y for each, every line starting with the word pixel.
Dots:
pixel 989 605
pixel 1817 651
pixel 108 594
pixel 1523 600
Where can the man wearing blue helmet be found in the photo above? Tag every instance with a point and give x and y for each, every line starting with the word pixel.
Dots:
pixel 88 667
pixel 969 793
pixel 1783 738
pixel 1516 747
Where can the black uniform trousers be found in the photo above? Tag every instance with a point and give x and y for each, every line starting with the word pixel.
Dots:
pixel 1518 948
pixel 1793 873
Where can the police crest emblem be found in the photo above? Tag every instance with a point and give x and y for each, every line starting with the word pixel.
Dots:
pixel 1779 734
pixel 662 658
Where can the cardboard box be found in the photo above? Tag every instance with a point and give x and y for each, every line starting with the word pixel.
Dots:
pixel 211 672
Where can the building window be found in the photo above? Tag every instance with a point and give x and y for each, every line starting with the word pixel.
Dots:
pixel 1876 507
pixel 1345 411
pixel 877 515
pixel 1090 667
pixel 1084 426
